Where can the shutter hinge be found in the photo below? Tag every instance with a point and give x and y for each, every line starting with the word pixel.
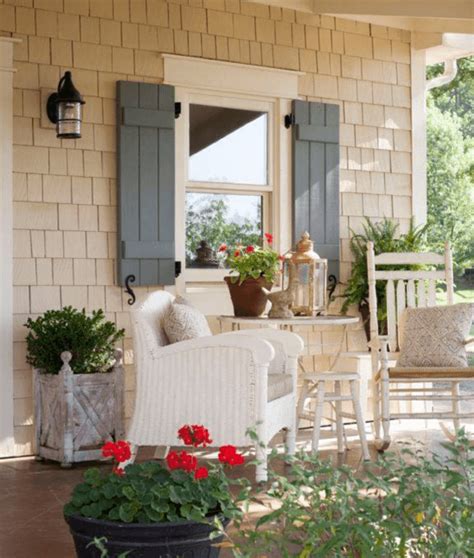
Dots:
pixel 289 120
pixel 177 110
pixel 177 269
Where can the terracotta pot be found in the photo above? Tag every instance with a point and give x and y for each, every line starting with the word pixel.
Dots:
pixel 248 299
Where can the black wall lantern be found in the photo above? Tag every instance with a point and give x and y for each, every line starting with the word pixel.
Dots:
pixel 64 109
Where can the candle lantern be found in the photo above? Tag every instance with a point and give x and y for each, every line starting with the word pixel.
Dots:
pixel 64 109
pixel 310 274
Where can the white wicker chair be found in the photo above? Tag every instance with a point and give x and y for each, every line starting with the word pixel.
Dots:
pixel 228 382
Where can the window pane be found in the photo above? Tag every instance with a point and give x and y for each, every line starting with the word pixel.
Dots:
pixel 227 145
pixel 214 219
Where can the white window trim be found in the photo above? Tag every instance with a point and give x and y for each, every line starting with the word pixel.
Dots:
pixel 218 76
pixel 250 84
pixel 7 442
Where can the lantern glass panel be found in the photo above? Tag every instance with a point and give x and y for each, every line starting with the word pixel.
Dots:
pixel 69 119
pixel 302 296
pixel 310 293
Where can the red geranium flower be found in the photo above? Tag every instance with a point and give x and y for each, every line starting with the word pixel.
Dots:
pixel 118 472
pixel 201 473
pixel 173 461
pixel 236 253
pixel 119 450
pixel 250 249
pixel 223 247
pixel 188 462
pixel 194 435
pixel 108 449
pixel 229 455
pixel 269 238
pixel 182 460
pixel 123 452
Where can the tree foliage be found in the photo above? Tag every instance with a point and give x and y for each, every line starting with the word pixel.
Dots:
pixel 210 220
pixel 457 97
pixel 450 171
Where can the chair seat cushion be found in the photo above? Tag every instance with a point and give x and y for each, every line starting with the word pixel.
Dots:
pixel 183 322
pixel 279 385
pixel 427 374
pixel 435 337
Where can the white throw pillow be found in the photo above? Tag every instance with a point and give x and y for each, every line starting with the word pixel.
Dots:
pixel 183 322
pixel 435 337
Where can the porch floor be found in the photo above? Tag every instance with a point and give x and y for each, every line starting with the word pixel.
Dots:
pixel 33 494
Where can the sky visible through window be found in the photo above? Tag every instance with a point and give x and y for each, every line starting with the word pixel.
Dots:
pixel 239 157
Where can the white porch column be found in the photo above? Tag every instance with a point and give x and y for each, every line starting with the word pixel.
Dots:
pixel 418 135
pixel 6 253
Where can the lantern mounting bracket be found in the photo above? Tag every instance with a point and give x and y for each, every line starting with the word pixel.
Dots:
pixel 52 107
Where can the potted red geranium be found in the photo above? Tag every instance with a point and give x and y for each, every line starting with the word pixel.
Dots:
pixel 154 510
pixel 251 268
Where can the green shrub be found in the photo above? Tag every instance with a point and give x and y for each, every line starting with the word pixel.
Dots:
pixel 401 506
pixel 90 340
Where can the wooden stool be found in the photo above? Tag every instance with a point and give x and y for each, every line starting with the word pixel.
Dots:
pixel 315 387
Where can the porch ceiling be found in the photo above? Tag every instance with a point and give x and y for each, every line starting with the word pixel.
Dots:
pixel 455 16
pixel 445 30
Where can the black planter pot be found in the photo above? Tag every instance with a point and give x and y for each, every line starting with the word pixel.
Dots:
pixel 184 539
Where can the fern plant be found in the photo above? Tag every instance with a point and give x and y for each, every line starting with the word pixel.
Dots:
pixel 90 340
pixel 385 238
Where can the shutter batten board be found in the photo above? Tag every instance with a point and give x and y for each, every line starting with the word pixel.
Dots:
pixel 316 177
pixel 146 183
pixel 151 250
pixel 147 118
pixel 317 134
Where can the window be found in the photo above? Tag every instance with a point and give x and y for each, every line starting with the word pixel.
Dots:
pixel 226 167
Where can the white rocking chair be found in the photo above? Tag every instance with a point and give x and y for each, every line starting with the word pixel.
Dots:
pixel 229 382
pixel 412 289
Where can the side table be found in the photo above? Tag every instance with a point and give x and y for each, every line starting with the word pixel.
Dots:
pixel 309 386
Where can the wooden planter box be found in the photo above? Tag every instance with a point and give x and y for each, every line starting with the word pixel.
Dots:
pixel 76 413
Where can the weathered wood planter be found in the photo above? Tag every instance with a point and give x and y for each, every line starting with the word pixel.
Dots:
pixel 76 413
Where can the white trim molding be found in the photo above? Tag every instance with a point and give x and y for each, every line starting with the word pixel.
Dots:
pixel 418 136
pixel 214 75
pixel 7 443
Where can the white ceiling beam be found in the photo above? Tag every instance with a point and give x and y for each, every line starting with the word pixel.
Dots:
pixel 454 9
pixel 423 25
pixel 441 47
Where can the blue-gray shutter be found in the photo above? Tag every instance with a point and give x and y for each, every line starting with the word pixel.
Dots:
pixel 145 161
pixel 316 177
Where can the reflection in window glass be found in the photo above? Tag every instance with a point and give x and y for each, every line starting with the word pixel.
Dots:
pixel 214 219
pixel 227 145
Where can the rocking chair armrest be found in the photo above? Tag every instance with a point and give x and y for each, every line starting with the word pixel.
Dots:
pixel 469 341
pixel 380 345
pixel 378 342
pixel 292 343
pixel 262 351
